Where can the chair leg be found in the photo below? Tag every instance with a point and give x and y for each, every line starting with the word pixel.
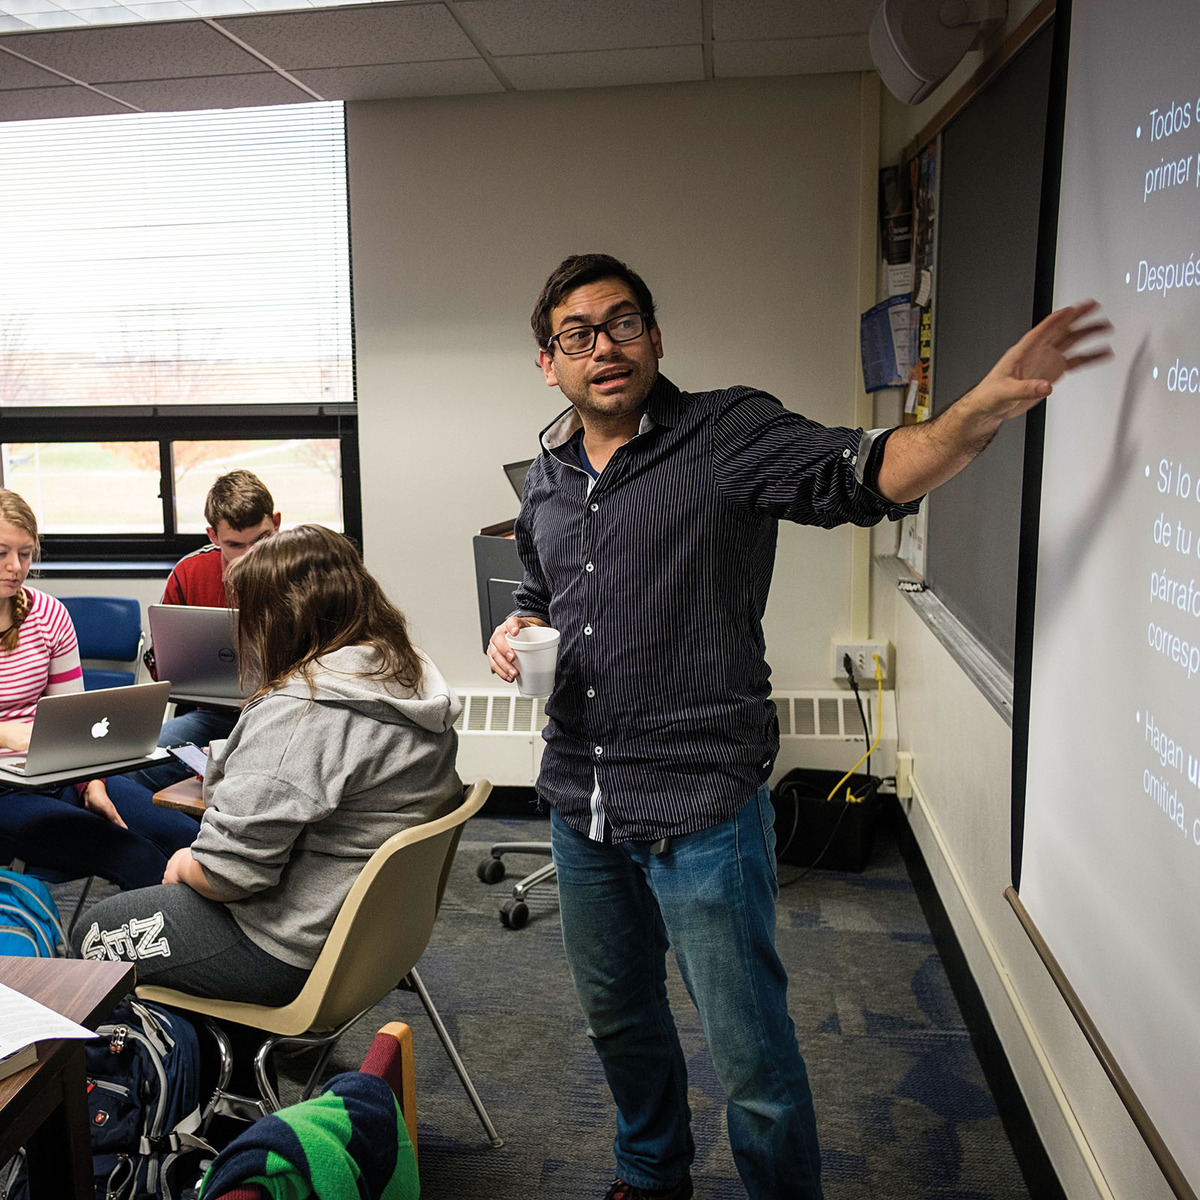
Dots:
pixel 222 1101
pixel 318 1068
pixel 270 1097
pixel 414 979
pixel 83 895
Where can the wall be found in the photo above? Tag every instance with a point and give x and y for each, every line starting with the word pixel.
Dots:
pixel 961 816
pixel 736 200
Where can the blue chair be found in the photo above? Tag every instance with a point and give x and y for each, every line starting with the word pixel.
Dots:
pixel 109 629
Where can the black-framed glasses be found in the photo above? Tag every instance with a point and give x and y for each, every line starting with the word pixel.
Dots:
pixel 579 339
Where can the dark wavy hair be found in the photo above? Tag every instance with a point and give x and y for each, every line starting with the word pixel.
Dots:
pixel 304 593
pixel 578 271
pixel 14 511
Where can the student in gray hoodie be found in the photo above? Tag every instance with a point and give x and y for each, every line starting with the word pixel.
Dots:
pixel 347 740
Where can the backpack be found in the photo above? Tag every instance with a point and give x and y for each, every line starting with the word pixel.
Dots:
pixel 29 924
pixel 143 1072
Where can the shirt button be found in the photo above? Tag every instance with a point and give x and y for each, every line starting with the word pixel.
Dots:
pixel 587 629
pixel 854 458
pixel 589 567
pixel 599 749
pixel 845 453
pixel 591 692
pixel 595 508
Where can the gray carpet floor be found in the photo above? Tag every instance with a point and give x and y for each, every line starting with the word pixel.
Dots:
pixel 903 1108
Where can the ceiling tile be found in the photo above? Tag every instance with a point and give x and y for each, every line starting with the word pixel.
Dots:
pixel 792 56
pixel 50 20
pixel 459 77
pixel 36 104
pixel 172 10
pixel 353 37
pixel 20 7
pixel 7 24
pixel 112 14
pixel 17 73
pixel 604 68
pixel 210 91
pixel 221 8
pixel 510 27
pixel 747 20
pixel 174 50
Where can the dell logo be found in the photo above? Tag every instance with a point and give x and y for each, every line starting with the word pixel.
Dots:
pixel 226 656
pixel 100 729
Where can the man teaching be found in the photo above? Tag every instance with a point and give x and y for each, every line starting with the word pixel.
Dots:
pixel 647 535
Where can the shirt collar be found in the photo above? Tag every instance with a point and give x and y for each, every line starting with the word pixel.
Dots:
pixel 663 407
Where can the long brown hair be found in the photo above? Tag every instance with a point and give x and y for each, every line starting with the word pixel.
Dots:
pixel 304 593
pixel 14 511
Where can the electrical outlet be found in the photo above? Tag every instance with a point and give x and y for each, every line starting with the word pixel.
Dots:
pixel 862 659
pixel 904 766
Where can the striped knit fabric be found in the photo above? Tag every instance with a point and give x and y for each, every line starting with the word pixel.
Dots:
pixel 45 662
pixel 348 1142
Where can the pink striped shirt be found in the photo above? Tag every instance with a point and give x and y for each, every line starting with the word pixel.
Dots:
pixel 45 662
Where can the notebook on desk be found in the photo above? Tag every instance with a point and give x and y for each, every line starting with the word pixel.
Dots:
pixel 99 731
pixel 196 648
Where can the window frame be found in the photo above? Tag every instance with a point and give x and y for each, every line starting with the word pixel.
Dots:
pixel 164 426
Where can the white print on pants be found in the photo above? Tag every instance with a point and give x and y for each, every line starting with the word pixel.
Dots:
pixel 139 937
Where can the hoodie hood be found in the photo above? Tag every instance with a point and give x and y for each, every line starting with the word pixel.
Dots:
pixel 342 677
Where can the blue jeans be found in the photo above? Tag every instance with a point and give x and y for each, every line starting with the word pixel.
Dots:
pixel 55 832
pixel 200 726
pixel 711 898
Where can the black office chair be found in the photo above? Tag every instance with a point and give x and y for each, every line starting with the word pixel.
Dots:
pixel 514 913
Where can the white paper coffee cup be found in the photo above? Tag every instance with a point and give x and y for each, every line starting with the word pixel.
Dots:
pixel 536 648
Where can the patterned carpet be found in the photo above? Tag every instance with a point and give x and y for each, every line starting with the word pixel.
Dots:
pixel 903 1108
pixel 902 1104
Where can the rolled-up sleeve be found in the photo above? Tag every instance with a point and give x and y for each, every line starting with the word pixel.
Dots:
pixel 776 462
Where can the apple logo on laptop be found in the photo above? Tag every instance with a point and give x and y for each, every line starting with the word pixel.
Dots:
pixel 100 729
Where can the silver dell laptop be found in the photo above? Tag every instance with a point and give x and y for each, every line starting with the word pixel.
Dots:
pixel 97 731
pixel 196 648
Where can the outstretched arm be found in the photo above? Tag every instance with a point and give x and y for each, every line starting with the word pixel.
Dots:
pixel 918 458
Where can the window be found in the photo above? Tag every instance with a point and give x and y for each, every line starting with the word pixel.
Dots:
pixel 175 302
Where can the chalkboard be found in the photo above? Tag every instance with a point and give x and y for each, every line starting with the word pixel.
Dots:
pixel 988 213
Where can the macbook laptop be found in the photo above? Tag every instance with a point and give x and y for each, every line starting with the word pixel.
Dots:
pixel 94 730
pixel 196 648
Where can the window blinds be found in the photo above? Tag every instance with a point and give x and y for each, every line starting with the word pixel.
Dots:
pixel 197 259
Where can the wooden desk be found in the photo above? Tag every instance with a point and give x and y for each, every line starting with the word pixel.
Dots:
pixel 44 1107
pixel 185 796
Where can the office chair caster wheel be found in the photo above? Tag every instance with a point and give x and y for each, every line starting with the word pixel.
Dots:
pixel 514 914
pixel 491 870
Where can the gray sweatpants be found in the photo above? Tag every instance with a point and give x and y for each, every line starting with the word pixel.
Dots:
pixel 180 939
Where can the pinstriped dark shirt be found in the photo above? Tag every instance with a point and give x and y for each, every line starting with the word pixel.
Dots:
pixel 656 574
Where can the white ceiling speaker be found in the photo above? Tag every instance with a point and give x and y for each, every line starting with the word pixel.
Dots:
pixel 915 44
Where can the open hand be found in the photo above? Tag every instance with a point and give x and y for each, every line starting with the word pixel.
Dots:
pixel 96 799
pixel 1027 372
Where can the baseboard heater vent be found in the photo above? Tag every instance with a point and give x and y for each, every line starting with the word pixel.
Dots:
pixel 500 733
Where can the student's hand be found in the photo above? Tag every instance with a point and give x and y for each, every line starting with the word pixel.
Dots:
pixel 502 658
pixel 96 799
pixel 14 735
pixel 183 868
pixel 179 866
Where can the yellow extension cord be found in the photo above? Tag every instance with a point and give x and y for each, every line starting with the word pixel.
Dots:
pixel 878 732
